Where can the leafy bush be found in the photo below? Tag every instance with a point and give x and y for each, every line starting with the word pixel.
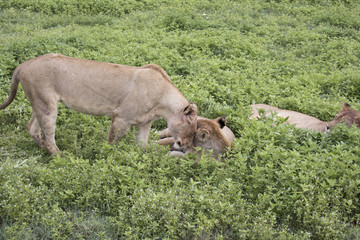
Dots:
pixel 277 182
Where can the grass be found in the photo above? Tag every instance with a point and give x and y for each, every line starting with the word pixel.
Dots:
pixel 277 182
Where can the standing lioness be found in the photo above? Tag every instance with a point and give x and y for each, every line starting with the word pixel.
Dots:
pixel 131 95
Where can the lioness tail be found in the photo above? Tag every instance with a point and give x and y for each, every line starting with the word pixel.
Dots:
pixel 13 89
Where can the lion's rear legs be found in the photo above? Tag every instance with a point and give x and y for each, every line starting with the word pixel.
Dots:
pixel 35 130
pixel 48 127
pixel 42 129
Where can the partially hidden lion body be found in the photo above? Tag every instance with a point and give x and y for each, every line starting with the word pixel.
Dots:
pixel 211 135
pixel 300 120
pixel 132 96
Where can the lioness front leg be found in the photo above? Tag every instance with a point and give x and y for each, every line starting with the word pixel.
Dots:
pixel 164 133
pixel 143 133
pixel 118 129
pixel 169 141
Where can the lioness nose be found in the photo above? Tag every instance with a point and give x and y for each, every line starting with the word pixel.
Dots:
pixel 177 144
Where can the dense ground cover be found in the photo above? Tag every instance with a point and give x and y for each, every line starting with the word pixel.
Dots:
pixel 277 182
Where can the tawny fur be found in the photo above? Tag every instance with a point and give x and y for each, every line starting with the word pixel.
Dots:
pixel 300 120
pixel 211 135
pixel 132 96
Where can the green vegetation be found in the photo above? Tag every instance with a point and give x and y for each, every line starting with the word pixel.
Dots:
pixel 277 183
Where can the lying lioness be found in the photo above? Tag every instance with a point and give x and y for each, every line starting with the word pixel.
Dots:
pixel 346 114
pixel 131 95
pixel 210 135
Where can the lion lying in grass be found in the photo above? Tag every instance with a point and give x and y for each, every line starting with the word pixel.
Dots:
pixel 300 120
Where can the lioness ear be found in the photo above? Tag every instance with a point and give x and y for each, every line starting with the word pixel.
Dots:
pixel 344 107
pixel 221 121
pixel 203 134
pixel 191 110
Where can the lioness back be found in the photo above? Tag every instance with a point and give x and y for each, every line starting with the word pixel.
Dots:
pixel 93 87
pixel 300 120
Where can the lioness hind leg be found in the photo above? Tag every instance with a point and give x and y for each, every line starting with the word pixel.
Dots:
pixel 46 119
pixel 143 133
pixel 35 130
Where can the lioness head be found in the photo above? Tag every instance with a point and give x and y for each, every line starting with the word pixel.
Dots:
pixel 212 135
pixel 183 130
pixel 348 116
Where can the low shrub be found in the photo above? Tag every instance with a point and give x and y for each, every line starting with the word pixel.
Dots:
pixel 277 182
